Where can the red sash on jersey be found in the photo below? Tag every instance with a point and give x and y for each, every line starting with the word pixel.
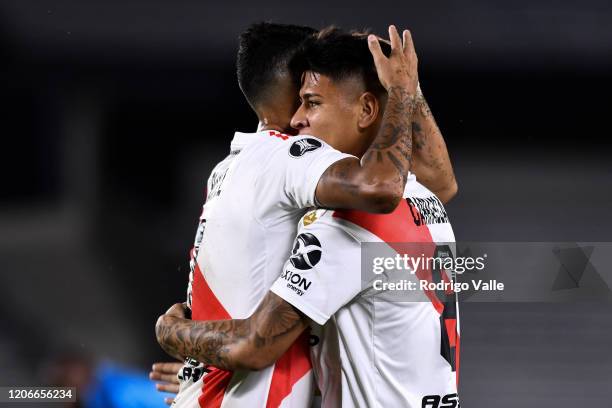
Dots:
pixel 288 369
pixel 396 230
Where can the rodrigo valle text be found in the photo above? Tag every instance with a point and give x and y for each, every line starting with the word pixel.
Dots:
pixel 404 284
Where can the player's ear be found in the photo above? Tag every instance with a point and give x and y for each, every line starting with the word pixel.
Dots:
pixel 369 110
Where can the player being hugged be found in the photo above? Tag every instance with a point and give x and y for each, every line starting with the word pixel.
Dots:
pixel 246 328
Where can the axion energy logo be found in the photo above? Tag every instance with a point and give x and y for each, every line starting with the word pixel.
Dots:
pixel 306 252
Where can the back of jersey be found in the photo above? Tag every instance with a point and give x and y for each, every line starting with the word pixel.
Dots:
pixel 255 198
pixel 378 348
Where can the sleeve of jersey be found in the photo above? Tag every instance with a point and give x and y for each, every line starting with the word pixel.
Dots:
pixel 323 272
pixel 307 160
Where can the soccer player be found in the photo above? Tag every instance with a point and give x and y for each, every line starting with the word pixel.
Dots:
pixel 414 343
pixel 256 197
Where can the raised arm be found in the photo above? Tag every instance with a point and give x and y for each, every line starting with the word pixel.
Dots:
pixel 431 163
pixel 240 344
pixel 376 182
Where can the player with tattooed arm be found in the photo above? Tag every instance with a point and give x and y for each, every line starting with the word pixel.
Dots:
pixel 264 337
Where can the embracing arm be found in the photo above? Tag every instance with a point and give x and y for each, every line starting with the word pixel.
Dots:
pixel 376 182
pixel 248 344
pixel 431 163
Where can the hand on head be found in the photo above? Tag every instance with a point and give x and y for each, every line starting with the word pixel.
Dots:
pixel 400 68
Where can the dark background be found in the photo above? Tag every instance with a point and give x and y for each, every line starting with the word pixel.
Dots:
pixel 112 114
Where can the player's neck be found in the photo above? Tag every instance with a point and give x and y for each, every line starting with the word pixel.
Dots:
pixel 266 125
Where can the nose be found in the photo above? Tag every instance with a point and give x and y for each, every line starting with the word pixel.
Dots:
pixel 299 120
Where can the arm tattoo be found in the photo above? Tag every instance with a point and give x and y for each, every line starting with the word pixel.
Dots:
pixel 395 134
pixel 396 119
pixel 431 163
pixel 274 318
pixel 398 165
pixel 202 340
pixel 274 325
pixel 383 169
pixel 421 119
pixel 417 136
pixel 423 106
pixel 338 175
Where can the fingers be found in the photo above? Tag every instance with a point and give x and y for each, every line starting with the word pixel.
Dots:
pixel 405 38
pixel 172 388
pixel 171 378
pixel 396 42
pixel 375 49
pixel 165 372
pixel 400 69
pixel 168 368
pixel 408 44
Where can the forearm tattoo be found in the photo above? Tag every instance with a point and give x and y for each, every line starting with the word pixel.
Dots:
pixel 207 342
pixel 428 141
pixel 393 143
pixel 215 342
pixel 423 118
pixel 274 319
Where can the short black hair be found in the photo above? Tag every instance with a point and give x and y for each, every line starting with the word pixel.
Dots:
pixel 264 52
pixel 339 54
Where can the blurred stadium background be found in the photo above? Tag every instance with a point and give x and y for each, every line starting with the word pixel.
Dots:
pixel 114 112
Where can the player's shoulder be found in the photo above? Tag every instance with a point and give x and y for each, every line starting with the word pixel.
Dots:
pixel 290 146
pixel 312 216
pixel 305 144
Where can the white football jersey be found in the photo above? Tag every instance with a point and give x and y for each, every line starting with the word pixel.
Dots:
pixel 255 199
pixel 373 352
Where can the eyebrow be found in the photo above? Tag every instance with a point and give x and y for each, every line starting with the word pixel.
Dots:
pixel 310 95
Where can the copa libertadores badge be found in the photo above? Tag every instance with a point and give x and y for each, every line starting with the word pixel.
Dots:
pixel 306 252
pixel 303 146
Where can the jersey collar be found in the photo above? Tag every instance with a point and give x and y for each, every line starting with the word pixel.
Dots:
pixel 242 139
